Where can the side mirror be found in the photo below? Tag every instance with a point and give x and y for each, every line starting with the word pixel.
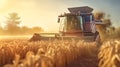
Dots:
pixel 58 20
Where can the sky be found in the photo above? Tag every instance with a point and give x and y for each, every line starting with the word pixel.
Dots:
pixel 44 13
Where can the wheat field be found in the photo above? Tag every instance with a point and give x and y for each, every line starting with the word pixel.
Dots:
pixel 59 53
pixel 109 54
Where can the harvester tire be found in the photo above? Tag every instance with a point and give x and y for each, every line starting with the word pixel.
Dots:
pixel 35 37
pixel 97 38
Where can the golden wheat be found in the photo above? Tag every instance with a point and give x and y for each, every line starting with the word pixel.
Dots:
pixel 57 53
pixel 109 54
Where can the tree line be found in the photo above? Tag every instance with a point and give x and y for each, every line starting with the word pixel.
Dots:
pixel 12 27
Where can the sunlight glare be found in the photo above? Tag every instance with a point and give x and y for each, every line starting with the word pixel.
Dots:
pixel 2 3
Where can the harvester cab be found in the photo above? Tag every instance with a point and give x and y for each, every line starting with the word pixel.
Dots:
pixel 79 22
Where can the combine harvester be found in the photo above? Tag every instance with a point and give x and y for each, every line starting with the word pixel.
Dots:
pixel 78 24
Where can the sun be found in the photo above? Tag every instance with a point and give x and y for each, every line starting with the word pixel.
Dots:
pixel 2 3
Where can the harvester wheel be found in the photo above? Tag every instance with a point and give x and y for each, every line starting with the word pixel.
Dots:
pixel 35 37
pixel 57 36
pixel 97 38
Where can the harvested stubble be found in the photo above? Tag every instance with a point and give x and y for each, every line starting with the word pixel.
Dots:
pixel 109 55
pixel 57 53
